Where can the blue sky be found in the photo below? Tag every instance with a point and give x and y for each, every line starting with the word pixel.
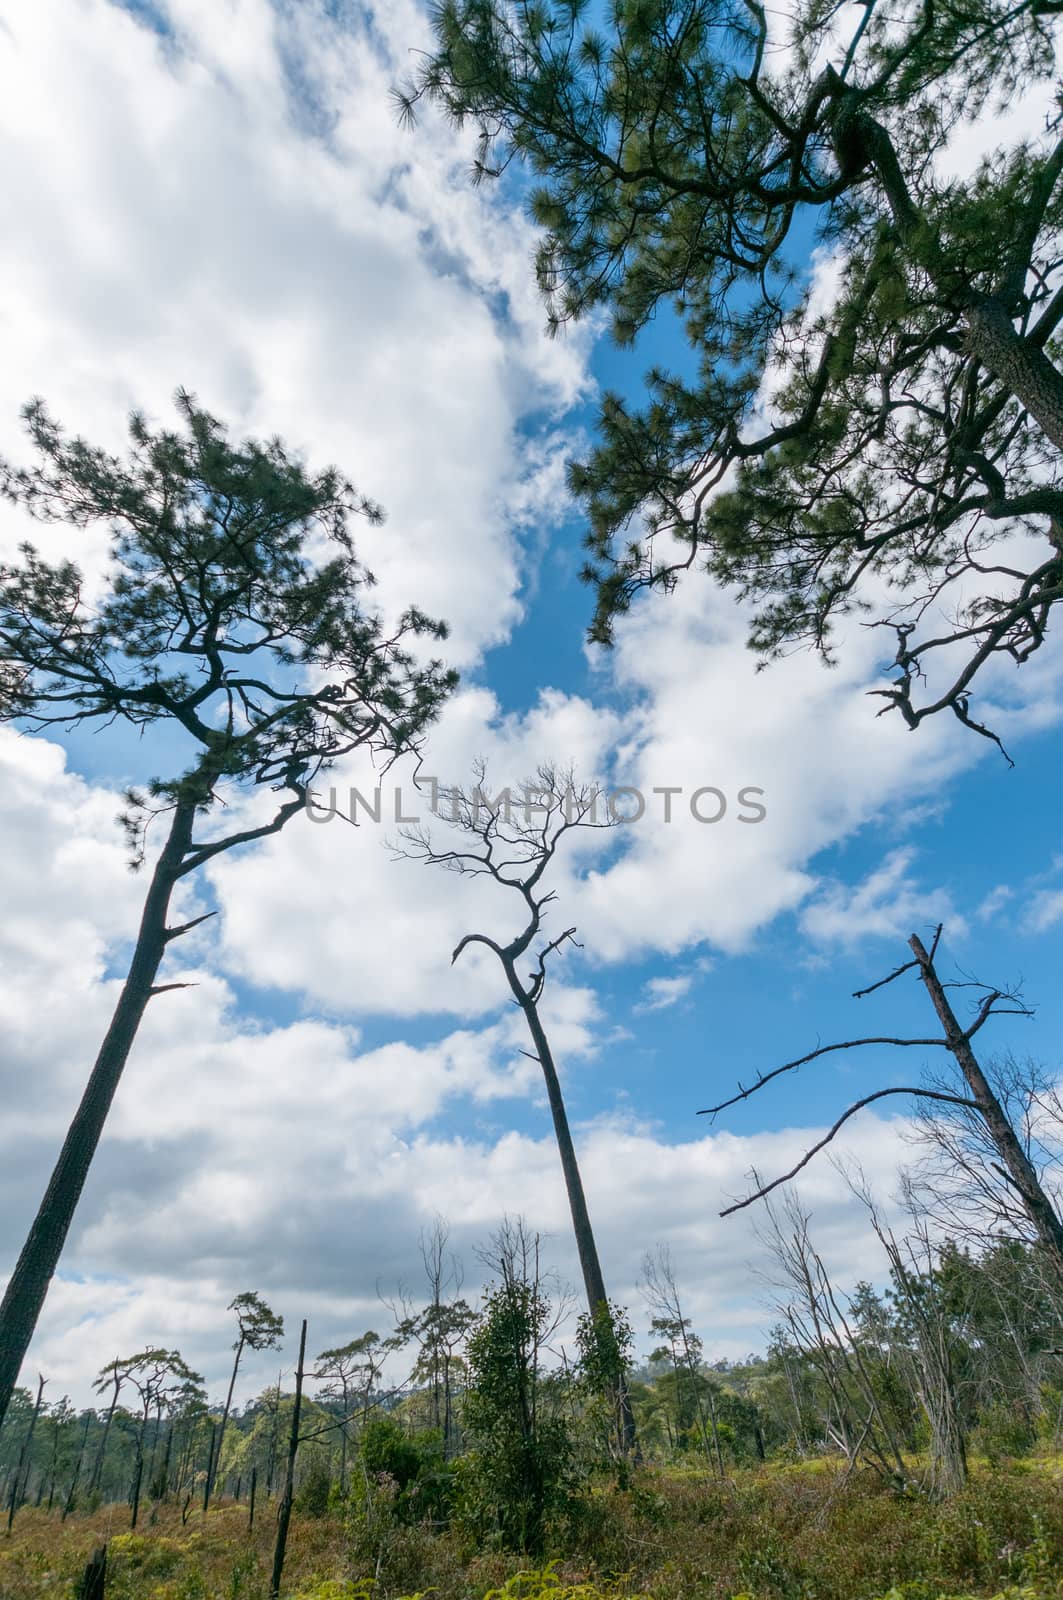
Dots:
pixel 331 1083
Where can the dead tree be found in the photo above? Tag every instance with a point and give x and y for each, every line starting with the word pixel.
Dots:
pixel 916 1290
pixel 18 1483
pixel 958 1179
pixel 92 1584
pixel 514 842
pixel 822 1326
pixel 284 1515
pixel 978 1102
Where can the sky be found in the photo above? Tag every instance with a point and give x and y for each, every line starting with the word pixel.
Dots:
pixel 217 194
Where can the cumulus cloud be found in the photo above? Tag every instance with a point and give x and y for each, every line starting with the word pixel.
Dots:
pixel 661 993
pixel 887 904
pixel 298 1160
pixel 227 201
pixel 324 1226
pixel 1045 910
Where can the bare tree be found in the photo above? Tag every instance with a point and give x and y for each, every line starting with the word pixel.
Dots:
pixel 822 1325
pixel 987 1119
pixel 958 1178
pixel 661 1293
pixel 919 1299
pixel 21 1476
pixel 514 843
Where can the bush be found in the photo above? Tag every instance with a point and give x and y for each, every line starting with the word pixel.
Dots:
pixel 1004 1431
pixel 417 1480
pixel 521 1472
pixel 544 1584
pixel 313 1494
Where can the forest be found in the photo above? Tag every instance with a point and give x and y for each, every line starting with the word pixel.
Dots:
pixel 786 1360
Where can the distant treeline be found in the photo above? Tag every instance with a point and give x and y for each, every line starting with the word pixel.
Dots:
pixel 962 1351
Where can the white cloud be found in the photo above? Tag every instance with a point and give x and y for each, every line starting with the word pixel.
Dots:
pixel 295 1159
pixel 804 735
pixel 888 904
pixel 187 215
pixel 234 207
pixel 321 1224
pixel 661 993
pixel 994 902
pixel 1045 910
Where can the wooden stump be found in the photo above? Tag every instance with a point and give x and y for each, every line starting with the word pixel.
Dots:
pixel 94 1578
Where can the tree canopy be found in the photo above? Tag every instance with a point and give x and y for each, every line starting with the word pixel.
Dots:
pixel 888 444
pixel 234 609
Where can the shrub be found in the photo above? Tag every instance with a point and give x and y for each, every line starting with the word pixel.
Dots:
pixel 1004 1431
pixel 520 1473
pixel 313 1493
pixel 411 1469
pixel 544 1584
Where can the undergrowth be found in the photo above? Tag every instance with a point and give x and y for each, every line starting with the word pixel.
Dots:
pixel 769 1535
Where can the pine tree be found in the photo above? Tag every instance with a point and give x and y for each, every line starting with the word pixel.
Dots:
pixel 232 615
pixel 686 161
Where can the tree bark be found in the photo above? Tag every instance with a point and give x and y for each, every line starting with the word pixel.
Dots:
pixel 210 1469
pixel 1020 1170
pixel 71 1499
pixel 224 1419
pixel 590 1266
pixel 93 1581
pixel 1018 363
pixel 18 1482
pixel 36 1265
pixel 284 1516
pixel 1021 366
pixel 138 1475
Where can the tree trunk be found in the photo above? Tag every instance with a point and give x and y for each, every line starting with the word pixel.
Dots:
pixel 1016 362
pixel 343 1442
pixel 1019 1169
pixel 1021 366
pixel 40 1254
pixel 210 1470
pixel 224 1419
pixel 97 1466
pixel 138 1474
pixel 93 1581
pixel 160 1488
pixel 71 1499
pixel 156 1432
pixel 24 1458
pixel 284 1516
pixel 590 1266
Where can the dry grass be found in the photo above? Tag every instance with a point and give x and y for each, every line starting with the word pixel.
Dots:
pixel 207 1557
pixel 773 1535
